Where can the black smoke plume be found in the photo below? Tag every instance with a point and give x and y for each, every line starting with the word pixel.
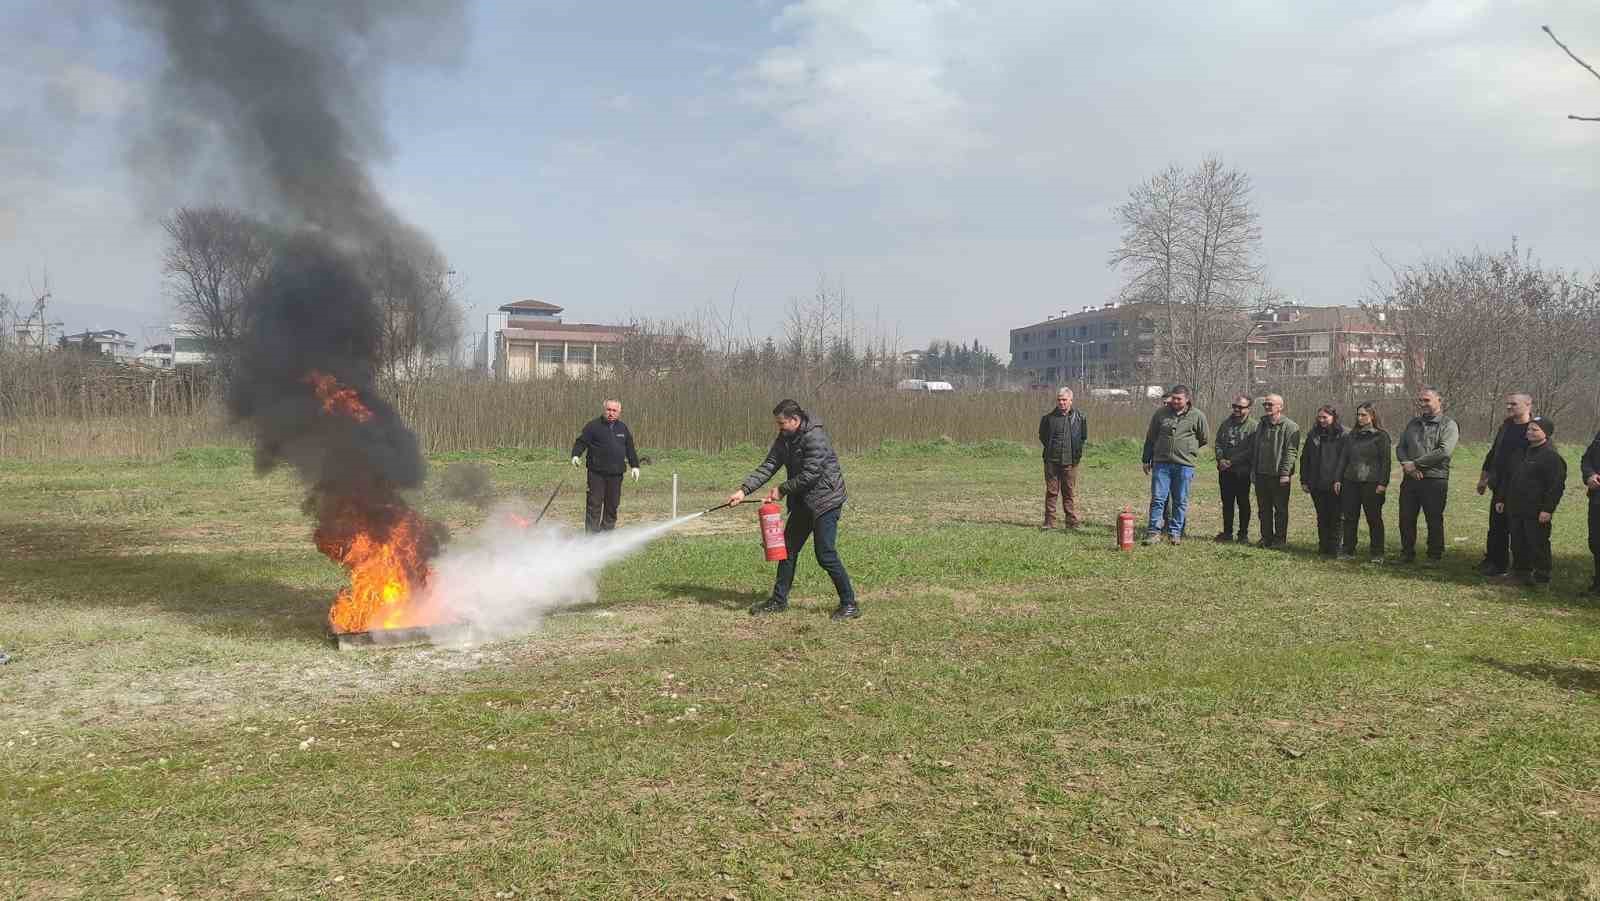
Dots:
pixel 276 103
pixel 311 317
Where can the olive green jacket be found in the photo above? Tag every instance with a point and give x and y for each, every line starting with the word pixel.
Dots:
pixel 1232 439
pixel 1176 437
pixel 1276 448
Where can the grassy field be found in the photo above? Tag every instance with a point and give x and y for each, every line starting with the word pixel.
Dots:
pixel 1018 714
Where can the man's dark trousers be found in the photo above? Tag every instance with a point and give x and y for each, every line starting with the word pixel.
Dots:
pixel 1594 535
pixel 803 525
pixel 1497 547
pixel 1530 548
pixel 1425 496
pixel 600 504
pixel 1272 505
pixel 1235 494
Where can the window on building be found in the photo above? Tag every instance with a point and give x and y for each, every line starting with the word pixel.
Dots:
pixel 549 353
pixel 1027 355
pixel 1105 349
pixel 1302 342
pixel 580 353
pixel 1051 334
pixel 1053 353
pixel 1302 367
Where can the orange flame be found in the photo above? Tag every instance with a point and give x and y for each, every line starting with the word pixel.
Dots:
pixel 337 400
pixel 386 577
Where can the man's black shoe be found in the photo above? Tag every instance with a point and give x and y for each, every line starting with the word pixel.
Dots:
pixel 1491 568
pixel 1264 543
pixel 1222 538
pixel 1408 557
pixel 1244 537
pixel 845 610
pixel 770 605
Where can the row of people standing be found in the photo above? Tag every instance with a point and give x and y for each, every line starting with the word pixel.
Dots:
pixel 1347 471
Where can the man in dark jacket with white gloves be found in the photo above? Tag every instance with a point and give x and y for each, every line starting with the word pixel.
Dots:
pixel 815 489
pixel 609 446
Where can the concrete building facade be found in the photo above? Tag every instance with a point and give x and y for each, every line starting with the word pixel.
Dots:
pixel 526 339
pixel 1112 344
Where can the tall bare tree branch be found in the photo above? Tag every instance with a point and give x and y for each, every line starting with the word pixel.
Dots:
pixel 1579 61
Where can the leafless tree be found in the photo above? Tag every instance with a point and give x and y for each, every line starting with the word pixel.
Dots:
pixel 414 289
pixel 1480 325
pixel 655 348
pixel 1577 59
pixel 214 258
pixel 1190 246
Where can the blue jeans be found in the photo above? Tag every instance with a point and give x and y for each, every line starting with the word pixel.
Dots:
pixel 1174 479
pixel 825 528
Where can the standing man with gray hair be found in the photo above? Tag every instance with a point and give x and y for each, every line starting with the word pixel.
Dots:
pixel 1424 452
pixel 1510 441
pixel 1063 432
pixel 1271 458
pixel 609 446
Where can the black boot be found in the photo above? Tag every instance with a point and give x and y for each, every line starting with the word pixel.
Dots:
pixel 770 605
pixel 846 610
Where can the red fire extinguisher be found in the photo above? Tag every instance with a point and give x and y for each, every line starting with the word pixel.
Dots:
pixel 771 518
pixel 1125 529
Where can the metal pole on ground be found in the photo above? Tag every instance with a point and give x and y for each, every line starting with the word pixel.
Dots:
pixel 674 495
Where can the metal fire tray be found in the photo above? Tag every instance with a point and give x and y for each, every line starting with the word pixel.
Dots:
pixel 443 634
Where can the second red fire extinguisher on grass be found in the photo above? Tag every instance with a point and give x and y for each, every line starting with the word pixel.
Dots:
pixel 771 518
pixel 1125 530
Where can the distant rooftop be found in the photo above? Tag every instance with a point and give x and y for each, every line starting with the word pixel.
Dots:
pixel 530 306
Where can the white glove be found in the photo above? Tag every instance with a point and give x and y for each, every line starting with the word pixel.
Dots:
pixel 576 462
pixel 635 473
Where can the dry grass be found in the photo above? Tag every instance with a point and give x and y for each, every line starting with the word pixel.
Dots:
pixel 1019 714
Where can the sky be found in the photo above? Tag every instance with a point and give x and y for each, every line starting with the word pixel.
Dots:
pixel 952 168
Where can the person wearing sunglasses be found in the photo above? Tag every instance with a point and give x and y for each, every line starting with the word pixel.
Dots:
pixel 1233 479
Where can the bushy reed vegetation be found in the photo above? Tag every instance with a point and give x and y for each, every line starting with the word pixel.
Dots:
pixel 63 406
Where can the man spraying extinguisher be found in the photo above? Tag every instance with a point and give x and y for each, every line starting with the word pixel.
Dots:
pixel 815 490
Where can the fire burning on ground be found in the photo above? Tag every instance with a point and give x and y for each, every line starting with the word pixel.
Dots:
pixel 383 543
pixel 388 571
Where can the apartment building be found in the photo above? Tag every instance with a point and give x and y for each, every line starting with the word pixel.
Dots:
pixel 1115 345
pixel 1319 342
pixel 1111 344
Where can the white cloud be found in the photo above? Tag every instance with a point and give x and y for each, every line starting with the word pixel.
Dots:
pixel 872 81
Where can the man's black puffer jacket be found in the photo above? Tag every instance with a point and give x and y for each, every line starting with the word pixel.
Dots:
pixel 815 480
